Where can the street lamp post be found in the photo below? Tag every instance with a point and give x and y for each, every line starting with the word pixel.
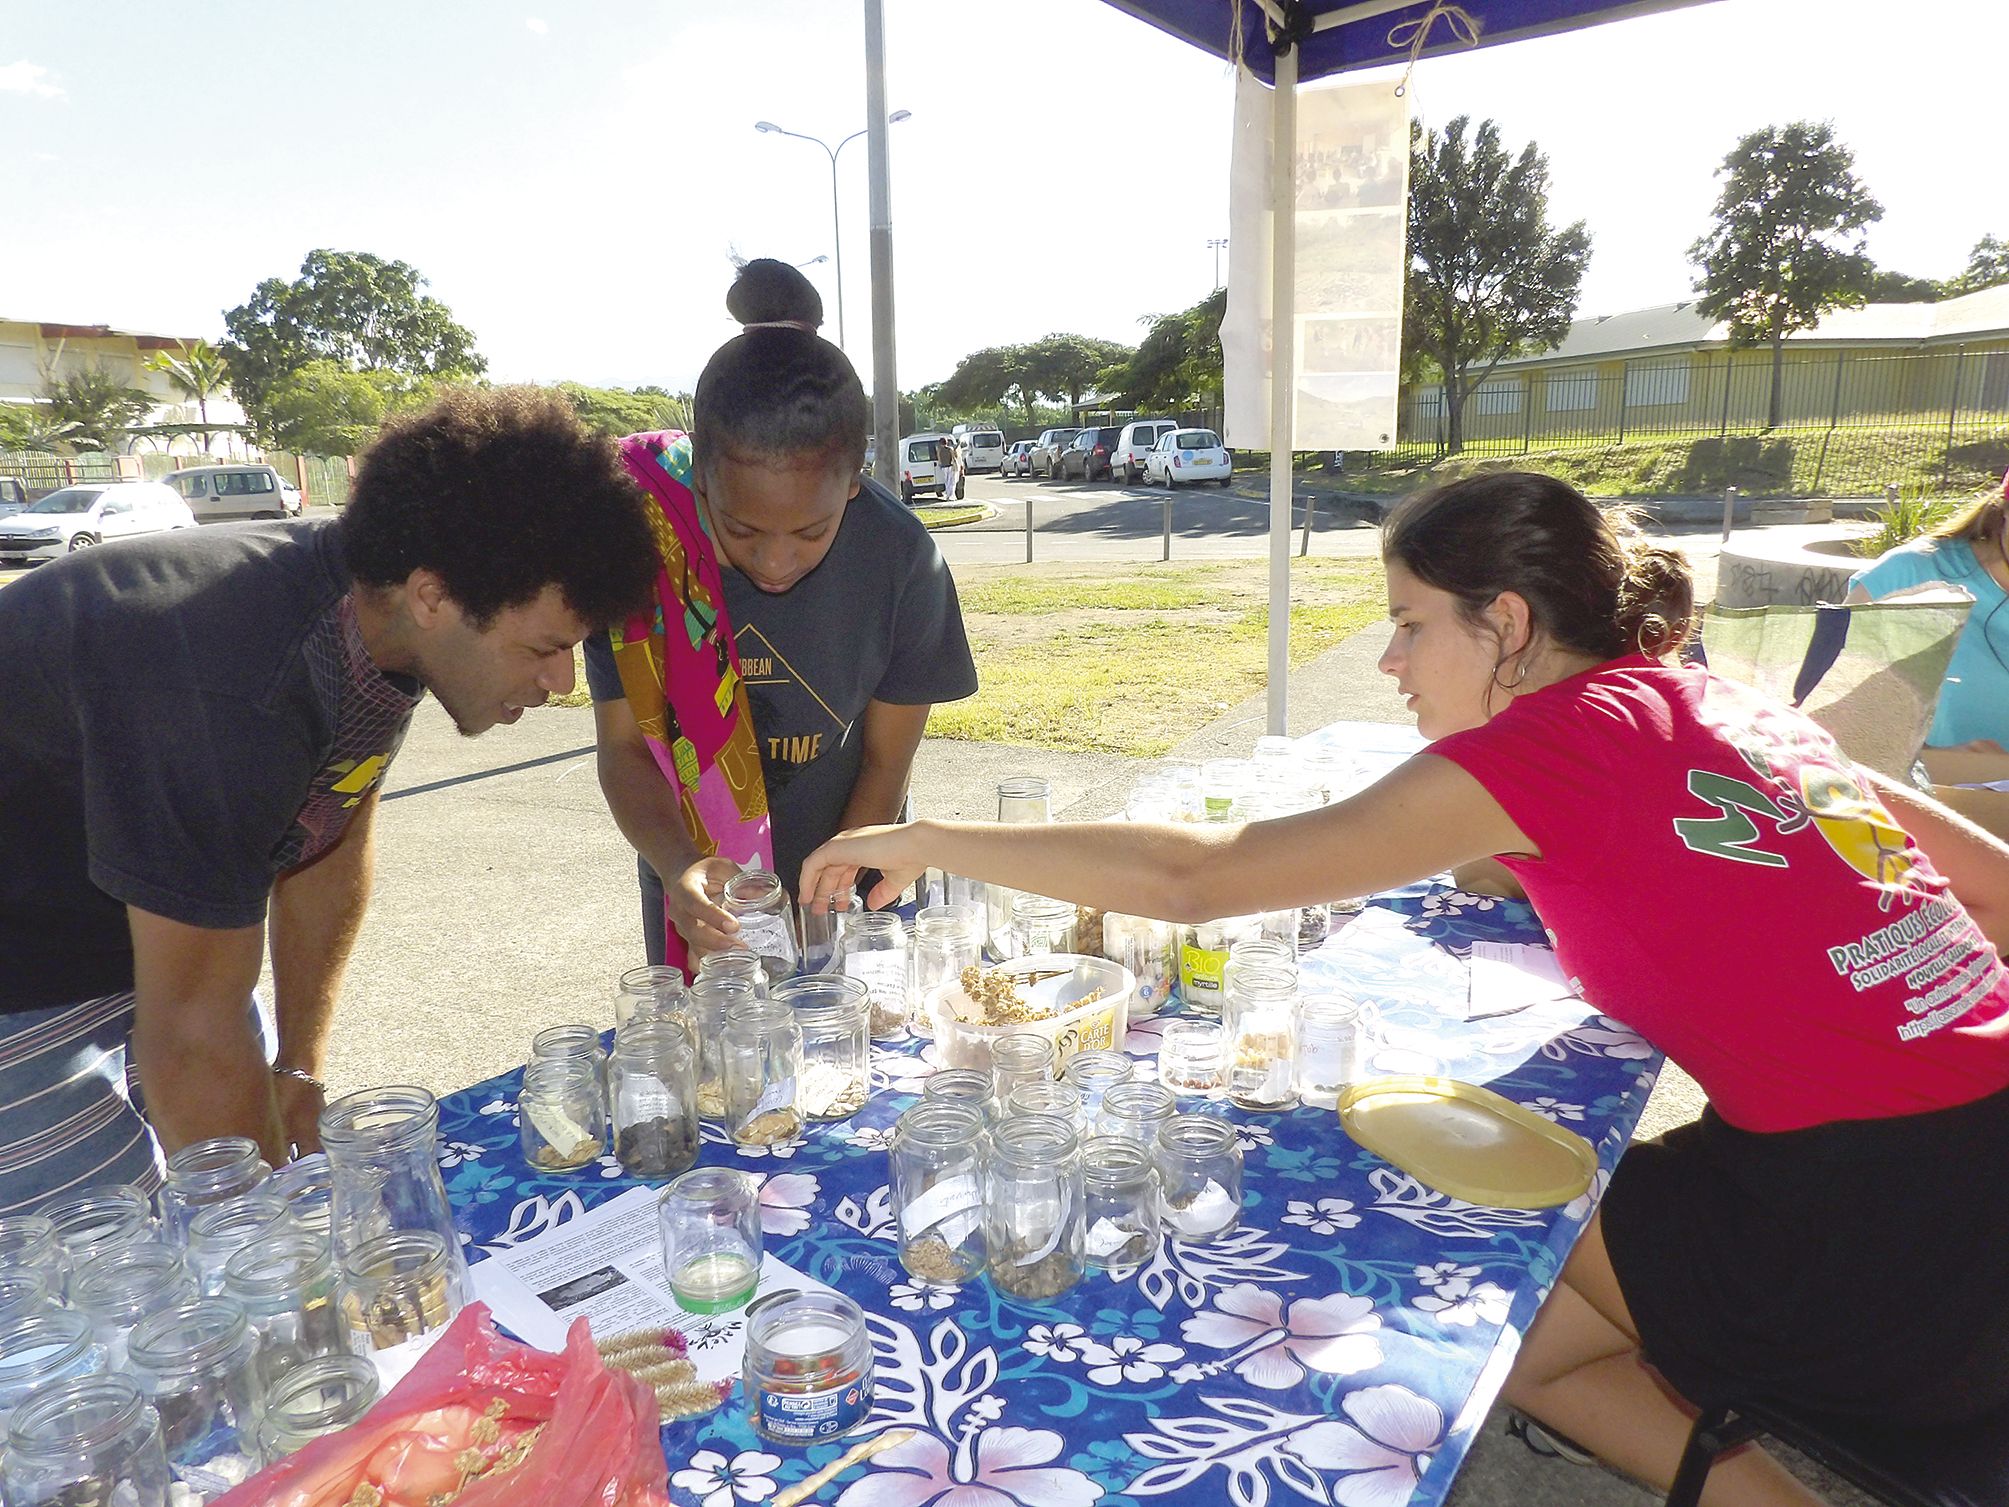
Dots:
pixel 768 127
pixel 1217 243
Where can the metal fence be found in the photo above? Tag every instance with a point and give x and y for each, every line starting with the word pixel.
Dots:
pixel 46 473
pixel 322 479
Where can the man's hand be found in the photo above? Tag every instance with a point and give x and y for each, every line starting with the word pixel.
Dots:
pixel 692 899
pixel 300 1106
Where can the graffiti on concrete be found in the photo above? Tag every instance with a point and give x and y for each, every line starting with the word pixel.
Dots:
pixel 1747 581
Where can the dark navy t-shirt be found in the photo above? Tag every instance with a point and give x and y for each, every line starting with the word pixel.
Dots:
pixel 876 621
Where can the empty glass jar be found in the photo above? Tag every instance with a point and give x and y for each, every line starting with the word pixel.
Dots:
pixel 124 1285
pixel 653 1084
pixel 52 1344
pixel 87 1442
pixel 98 1219
pixel 1190 1053
pixel 947 939
pixel 1150 950
pixel 1262 1039
pixel 561 1115
pixel 27 1289
pixel 220 1230
pixel 1093 1074
pixel 1257 952
pixel 737 965
pixel 834 1014
pixel 570 1043
pixel 1199 1177
pixel 759 902
pixel 823 927
pixel 207 1172
pixel 1328 1055
pixel 938 1189
pixel 1134 1111
pixel 1019 1057
pixel 1038 926
pixel 286 1285
pixel 196 1365
pixel 1119 1200
pixel 654 991
pixel 383 1153
pixel 321 1396
pixel 1049 1096
pixel 1032 1206
pixel 709 1223
pixel 400 1286
pixel 762 1054
pixel 710 998
pixel 308 1187
pixel 30 1240
pixel 872 948
pixel 962 1085
pixel 1021 799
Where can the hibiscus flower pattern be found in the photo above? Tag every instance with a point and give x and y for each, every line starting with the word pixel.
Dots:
pixel 1126 1358
pixel 1454 1295
pixel 718 1482
pixel 1005 1467
pixel 1325 1216
pixel 1272 1343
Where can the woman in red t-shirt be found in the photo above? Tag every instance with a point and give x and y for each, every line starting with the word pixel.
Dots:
pixel 1816 944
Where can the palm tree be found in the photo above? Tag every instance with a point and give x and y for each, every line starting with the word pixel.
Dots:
pixel 197 374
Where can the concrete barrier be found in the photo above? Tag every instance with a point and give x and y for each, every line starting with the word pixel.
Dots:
pixel 1756 572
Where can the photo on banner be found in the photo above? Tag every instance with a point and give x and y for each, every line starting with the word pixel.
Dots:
pixel 1351 176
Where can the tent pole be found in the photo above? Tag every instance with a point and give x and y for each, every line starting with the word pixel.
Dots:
pixel 1283 353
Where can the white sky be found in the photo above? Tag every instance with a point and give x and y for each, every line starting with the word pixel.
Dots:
pixel 572 175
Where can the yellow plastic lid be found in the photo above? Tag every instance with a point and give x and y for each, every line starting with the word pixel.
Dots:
pixel 1468 1142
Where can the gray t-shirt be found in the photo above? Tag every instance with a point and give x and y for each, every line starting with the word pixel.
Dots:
pixel 182 719
pixel 876 621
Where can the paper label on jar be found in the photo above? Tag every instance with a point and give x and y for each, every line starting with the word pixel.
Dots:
pixel 1106 1237
pixel 810 1417
pixel 884 975
pixel 1211 1209
pixel 780 1094
pixel 952 1209
pixel 767 935
pixel 1061 1215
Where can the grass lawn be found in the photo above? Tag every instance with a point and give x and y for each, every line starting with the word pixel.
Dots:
pixel 1088 659
pixel 953 514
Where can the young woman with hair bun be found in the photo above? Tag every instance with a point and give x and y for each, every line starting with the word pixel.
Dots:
pixel 804 624
pixel 1815 945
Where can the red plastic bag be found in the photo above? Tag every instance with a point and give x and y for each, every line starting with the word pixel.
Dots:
pixel 482 1421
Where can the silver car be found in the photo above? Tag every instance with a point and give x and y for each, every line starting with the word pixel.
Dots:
pixel 219 494
pixel 82 516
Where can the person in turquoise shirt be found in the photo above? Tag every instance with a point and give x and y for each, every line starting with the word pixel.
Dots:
pixel 1966 551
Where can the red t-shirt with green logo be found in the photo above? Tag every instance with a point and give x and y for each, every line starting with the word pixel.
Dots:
pixel 1717 875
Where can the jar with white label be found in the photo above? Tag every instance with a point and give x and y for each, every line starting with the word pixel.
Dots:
pixel 1150 950
pixel 834 1014
pixel 872 948
pixel 1261 1017
pixel 947 939
pixel 1119 1216
pixel 757 900
pixel 197 1365
pixel 652 1086
pixel 1032 1206
pixel 938 1189
pixel 561 1114
pixel 762 1060
pixel 808 1367
pixel 1328 1053
pixel 1199 1177
pixel 709 999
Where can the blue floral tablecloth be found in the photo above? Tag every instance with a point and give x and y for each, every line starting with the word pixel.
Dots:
pixel 1340 1347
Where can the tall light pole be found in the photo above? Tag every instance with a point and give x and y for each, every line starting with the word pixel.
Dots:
pixel 768 127
pixel 1217 243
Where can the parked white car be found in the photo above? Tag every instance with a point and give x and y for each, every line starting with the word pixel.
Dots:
pixel 920 471
pixel 1018 458
pixel 219 494
pixel 79 517
pixel 1185 456
pixel 983 449
pixel 1139 435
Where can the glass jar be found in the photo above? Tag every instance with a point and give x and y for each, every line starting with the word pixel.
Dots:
pixel 937 1158
pixel 1037 926
pixel 569 1043
pixel 1257 952
pixel 53 1344
pixel 872 949
pixel 1032 1206
pixel 736 965
pixel 822 927
pixel 962 1085
pixel 710 998
pixel 1199 1177
pixel 286 1285
pixel 1203 958
pixel 207 1172
pixel 762 1059
pixel 808 1367
pixel 1328 1051
pixel 653 991
pixel 653 1085
pixel 124 1285
pixel 88 1442
pixel 947 939
pixel 1190 1056
pixel 1093 1074
pixel 400 1286
pixel 834 1014
pixel 98 1220
pixel 1262 1040
pixel 27 1289
pixel 308 1187
pixel 1049 1096
pixel 319 1397
pixel 1134 1111
pixel 708 1221
pixel 1022 800
pixel 219 1231
pixel 196 1365
pixel 31 1241
pixel 383 1154
pixel 1119 1188
pixel 759 902
pixel 1225 785
pixel 561 1113
pixel 1019 1057
pixel 1150 950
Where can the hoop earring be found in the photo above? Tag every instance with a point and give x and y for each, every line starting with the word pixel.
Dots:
pixel 1515 684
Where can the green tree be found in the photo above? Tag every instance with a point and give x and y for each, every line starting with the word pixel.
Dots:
pixel 323 408
pixel 1898 287
pixel 1178 362
pixel 1787 246
pixel 197 373
pixel 1987 267
pixel 28 426
pixel 1489 277
pixel 989 378
pixel 616 411
pixel 357 310
pixel 94 409
pixel 1066 366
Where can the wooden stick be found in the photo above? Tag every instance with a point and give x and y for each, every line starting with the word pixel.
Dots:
pixel 802 1491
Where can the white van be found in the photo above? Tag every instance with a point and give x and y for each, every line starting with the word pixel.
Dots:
pixel 920 472
pixel 983 447
pixel 217 494
pixel 1139 435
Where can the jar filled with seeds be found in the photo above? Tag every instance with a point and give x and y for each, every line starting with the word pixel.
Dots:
pixel 652 1085
pixel 1032 1206
pixel 1134 1111
pixel 962 1085
pixel 872 948
pixel 938 1190
pixel 1039 926
pixel 207 1172
pixel 398 1287
pixel 319 1397
pixel 654 992
pixel 1199 1177
pixel 710 998
pixel 561 1114
pixel 834 1014
pixel 1019 1057
pixel 220 1230
pixel 87 1442
pixel 286 1285
pixel 1328 1058
pixel 1262 1040
pixel 947 939
pixel 1119 1201
pixel 1093 1074
pixel 197 1365
pixel 758 901
pixel 762 1072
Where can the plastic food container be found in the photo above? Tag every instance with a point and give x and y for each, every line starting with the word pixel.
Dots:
pixel 1054 980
